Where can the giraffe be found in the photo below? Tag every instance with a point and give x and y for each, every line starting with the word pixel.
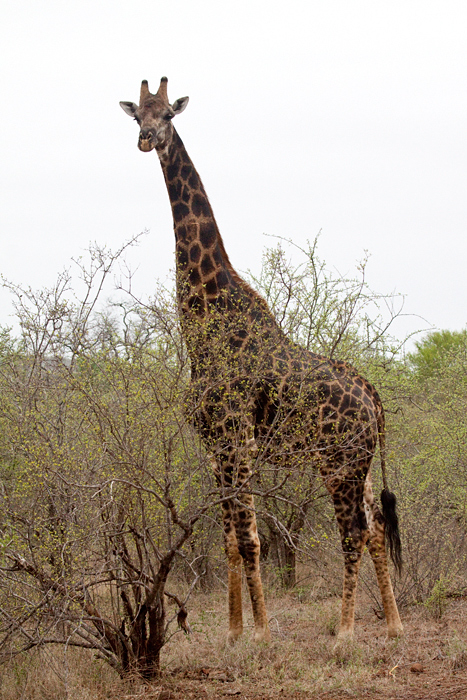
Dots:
pixel 262 399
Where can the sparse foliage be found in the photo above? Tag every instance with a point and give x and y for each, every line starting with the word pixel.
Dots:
pixel 108 495
pixel 103 477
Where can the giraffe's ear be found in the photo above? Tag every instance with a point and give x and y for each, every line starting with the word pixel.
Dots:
pixel 180 104
pixel 129 107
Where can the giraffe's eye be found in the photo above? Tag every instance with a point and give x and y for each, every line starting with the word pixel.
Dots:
pixel 168 116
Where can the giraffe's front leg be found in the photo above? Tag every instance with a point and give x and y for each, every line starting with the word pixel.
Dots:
pixel 240 531
pixel 234 564
pixel 249 547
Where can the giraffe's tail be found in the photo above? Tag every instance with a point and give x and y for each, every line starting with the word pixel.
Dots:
pixel 388 500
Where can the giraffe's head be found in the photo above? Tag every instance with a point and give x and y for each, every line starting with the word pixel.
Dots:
pixel 154 116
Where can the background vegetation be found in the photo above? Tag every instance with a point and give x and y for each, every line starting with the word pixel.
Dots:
pixel 110 514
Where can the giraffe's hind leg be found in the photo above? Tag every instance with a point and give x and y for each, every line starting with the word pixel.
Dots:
pixel 350 514
pixel 377 549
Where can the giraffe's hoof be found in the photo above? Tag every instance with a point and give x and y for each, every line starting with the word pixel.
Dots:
pixel 344 637
pixel 344 634
pixel 234 634
pixel 345 642
pixel 394 632
pixel 262 635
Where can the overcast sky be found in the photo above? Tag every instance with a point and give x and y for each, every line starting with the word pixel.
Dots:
pixel 347 117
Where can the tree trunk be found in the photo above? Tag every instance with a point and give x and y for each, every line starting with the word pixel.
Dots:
pixel 283 557
pixel 288 571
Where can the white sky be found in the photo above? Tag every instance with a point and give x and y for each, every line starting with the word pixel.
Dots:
pixel 346 116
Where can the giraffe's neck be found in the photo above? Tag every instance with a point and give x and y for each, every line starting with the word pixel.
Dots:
pixel 212 297
pixel 205 275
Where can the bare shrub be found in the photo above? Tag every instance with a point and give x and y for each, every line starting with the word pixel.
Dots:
pixel 103 475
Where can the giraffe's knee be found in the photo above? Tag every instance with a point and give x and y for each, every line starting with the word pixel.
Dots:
pixel 249 546
pixel 248 541
pixel 354 537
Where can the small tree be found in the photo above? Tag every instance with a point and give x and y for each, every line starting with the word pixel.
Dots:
pixel 436 352
pixel 429 436
pixel 103 478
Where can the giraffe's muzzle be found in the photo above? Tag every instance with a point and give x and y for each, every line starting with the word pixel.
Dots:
pixel 145 145
pixel 146 141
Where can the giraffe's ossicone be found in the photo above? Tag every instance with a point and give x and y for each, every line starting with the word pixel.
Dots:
pixel 262 400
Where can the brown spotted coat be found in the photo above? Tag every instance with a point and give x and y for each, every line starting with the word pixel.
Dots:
pixel 260 397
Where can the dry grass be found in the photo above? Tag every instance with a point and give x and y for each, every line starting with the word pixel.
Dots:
pixel 430 661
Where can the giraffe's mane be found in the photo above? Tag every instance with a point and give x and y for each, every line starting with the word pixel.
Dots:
pixel 239 280
pixel 247 288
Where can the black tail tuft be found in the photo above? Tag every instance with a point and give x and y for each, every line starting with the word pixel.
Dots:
pixel 388 501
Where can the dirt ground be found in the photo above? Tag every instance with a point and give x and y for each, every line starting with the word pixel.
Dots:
pixel 431 687
pixel 303 661
pixel 434 684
